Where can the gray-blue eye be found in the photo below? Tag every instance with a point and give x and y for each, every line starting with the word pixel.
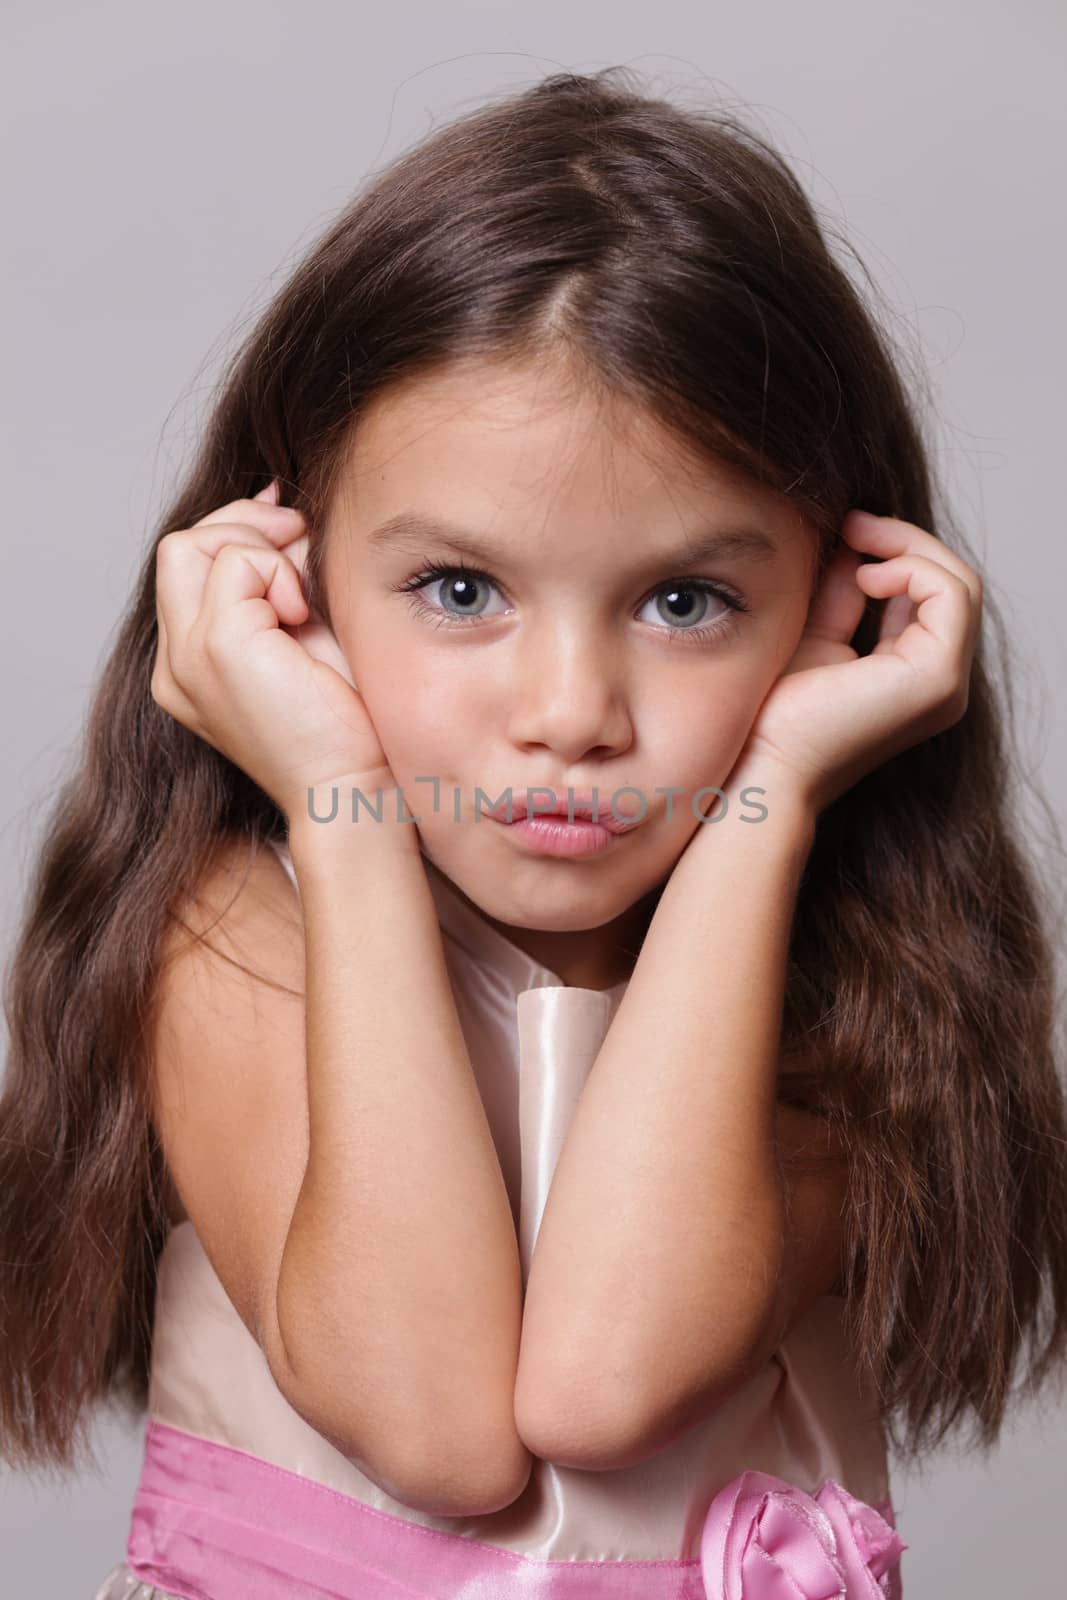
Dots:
pixel 463 586
pixel 682 602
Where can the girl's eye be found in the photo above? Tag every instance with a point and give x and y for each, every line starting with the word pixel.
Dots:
pixel 685 602
pixel 690 603
pixel 460 587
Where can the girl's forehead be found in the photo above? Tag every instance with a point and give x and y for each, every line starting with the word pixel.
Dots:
pixel 519 437
pixel 505 419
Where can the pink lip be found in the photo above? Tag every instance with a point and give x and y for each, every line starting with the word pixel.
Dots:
pixel 580 813
pixel 555 836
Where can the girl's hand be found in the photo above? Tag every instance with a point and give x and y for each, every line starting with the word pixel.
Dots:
pixel 833 716
pixel 242 664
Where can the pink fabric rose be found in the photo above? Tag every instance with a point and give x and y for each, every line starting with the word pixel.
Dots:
pixel 765 1539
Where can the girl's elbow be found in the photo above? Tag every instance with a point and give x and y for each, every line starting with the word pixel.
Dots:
pixel 597 1425
pixel 581 1427
pixel 467 1479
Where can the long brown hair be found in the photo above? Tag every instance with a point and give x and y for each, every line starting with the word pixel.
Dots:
pixel 671 256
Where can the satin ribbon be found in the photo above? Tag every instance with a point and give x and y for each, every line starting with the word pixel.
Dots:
pixel 212 1520
pixel 765 1539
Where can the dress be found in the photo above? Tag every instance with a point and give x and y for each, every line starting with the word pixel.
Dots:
pixel 241 1499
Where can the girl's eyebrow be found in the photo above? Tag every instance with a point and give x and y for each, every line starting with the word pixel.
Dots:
pixel 412 531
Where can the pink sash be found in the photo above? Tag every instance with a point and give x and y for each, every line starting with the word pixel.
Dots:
pixel 211 1522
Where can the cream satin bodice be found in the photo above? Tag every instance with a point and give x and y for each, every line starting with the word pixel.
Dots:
pixel 532 1041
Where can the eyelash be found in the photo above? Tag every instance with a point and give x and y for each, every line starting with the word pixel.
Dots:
pixel 432 570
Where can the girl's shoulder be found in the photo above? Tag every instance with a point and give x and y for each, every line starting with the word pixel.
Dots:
pixel 236 930
pixel 244 900
pixel 228 1077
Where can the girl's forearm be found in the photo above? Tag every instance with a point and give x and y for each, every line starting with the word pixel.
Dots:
pixel 655 1267
pixel 400 1289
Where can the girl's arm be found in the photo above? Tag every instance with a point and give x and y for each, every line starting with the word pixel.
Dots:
pixel 386 1295
pixel 662 1276
pixel 671 1258
pixel 400 1290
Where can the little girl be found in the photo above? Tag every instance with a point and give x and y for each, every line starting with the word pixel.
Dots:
pixel 483 1204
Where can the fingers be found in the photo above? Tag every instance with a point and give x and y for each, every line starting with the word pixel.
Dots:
pixel 249 588
pixel 897 613
pixel 889 536
pixel 185 560
pixel 939 641
pixel 297 553
pixel 201 573
pixel 165 688
pixel 279 524
pixel 933 595
pixel 246 587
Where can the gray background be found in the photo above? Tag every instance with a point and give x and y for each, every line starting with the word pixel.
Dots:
pixel 165 168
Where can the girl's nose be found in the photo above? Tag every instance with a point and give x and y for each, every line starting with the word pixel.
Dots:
pixel 571 696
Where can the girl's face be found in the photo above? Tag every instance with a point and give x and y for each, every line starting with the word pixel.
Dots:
pixel 582 651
